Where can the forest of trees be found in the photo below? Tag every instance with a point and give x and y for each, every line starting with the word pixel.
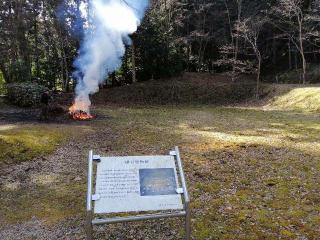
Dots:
pixel 39 40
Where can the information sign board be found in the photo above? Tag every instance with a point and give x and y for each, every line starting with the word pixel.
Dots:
pixel 136 183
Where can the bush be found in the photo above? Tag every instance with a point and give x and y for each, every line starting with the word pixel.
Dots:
pixel 294 76
pixel 25 94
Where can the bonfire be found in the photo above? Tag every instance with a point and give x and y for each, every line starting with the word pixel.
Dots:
pixel 77 114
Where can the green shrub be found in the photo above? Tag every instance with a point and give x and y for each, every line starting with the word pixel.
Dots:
pixel 25 94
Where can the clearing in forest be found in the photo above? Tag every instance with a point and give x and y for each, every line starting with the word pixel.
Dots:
pixel 252 173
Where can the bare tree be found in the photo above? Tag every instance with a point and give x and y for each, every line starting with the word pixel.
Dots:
pixel 294 21
pixel 233 47
pixel 236 44
pixel 250 29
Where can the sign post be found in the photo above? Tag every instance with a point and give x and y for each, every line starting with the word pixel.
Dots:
pixel 135 184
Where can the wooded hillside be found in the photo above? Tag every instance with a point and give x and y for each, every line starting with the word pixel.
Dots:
pixel 39 39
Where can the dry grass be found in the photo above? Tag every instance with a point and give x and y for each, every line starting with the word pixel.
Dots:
pixel 292 97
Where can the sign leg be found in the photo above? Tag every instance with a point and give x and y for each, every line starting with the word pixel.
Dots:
pixel 188 222
pixel 89 225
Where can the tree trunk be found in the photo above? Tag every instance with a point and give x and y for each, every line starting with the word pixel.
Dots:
pixel 133 59
pixel 289 57
pixel 236 47
pixel 274 51
pixel 36 48
pixel 5 73
pixel 22 41
pixel 232 39
pixel 301 50
pixel 304 67
pixel 258 76
pixel 66 72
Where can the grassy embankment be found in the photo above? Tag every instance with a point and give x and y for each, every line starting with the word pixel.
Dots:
pixel 293 97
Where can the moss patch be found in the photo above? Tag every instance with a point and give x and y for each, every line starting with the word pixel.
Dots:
pixel 48 203
pixel 23 143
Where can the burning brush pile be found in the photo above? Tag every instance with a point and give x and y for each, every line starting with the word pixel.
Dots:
pixel 77 114
pixel 103 47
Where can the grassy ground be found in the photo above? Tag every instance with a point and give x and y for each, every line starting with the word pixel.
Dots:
pixel 24 142
pixel 253 174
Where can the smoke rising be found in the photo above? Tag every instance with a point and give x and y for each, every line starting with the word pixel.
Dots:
pixel 110 22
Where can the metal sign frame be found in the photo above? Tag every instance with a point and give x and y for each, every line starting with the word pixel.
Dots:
pixel 91 221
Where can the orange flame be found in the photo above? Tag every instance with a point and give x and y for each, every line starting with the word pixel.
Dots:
pixel 77 114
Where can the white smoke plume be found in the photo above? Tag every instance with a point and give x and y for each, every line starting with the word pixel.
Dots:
pixel 110 24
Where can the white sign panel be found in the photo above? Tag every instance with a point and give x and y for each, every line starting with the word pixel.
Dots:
pixel 129 184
